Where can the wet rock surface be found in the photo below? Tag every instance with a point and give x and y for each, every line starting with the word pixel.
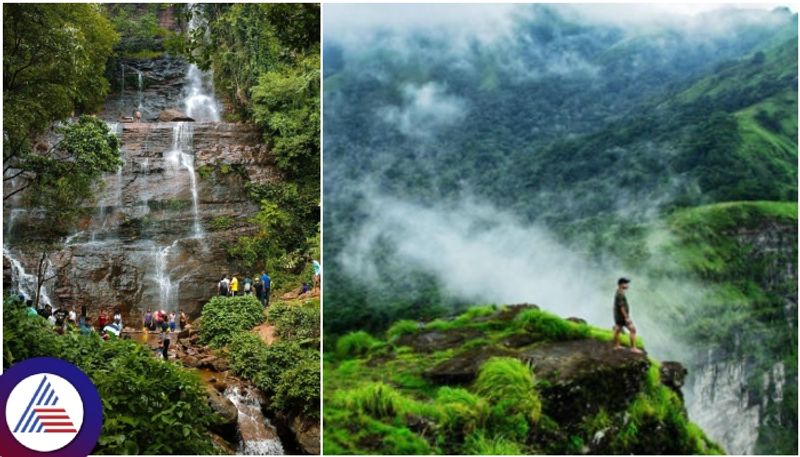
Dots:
pixel 437 340
pixel 142 229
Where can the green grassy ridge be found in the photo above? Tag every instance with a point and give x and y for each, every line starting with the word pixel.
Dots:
pixel 377 400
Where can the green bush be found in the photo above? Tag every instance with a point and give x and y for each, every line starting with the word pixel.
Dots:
pixel 551 326
pixel 246 354
pixel 149 407
pixel 355 344
pixel 505 380
pixel 298 388
pixel 479 444
pixel 402 327
pixel 293 321
pixel 222 317
pixel 463 412
pixel 222 223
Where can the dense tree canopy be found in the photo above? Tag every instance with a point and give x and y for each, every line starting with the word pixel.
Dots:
pixel 53 62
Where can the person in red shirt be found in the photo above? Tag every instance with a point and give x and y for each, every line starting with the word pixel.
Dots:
pixel 102 320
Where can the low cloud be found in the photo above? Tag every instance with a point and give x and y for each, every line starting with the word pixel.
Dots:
pixel 425 109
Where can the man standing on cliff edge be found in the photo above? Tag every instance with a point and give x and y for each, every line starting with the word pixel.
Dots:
pixel 622 316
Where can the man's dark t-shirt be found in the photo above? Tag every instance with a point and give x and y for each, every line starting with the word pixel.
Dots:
pixel 620 303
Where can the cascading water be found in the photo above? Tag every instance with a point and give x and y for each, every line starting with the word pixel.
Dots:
pixel 258 437
pixel 199 100
pixel 199 105
pixel 180 156
pixel 139 92
pixel 13 214
pixel 26 283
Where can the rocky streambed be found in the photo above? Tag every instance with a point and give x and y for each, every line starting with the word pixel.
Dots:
pixel 249 427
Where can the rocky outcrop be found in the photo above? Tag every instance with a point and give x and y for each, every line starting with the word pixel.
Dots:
pixel 173 115
pixel 307 433
pixel 139 243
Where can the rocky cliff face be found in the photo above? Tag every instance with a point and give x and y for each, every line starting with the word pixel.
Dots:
pixel 734 396
pixel 159 227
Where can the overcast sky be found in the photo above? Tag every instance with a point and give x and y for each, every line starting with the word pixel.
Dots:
pixel 342 21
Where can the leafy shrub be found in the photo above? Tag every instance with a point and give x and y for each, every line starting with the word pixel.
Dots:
pixel 507 381
pixel 551 326
pixel 298 388
pixel 479 444
pixel 222 223
pixel 355 344
pixel 222 317
pixel 246 354
pixel 402 327
pixel 377 399
pixel 462 411
pixel 295 321
pixel 149 407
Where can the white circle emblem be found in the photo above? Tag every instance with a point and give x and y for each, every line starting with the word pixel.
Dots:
pixel 44 412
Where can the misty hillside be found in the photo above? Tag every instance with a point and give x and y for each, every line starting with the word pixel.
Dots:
pixel 539 161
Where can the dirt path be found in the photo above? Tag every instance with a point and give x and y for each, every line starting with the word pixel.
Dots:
pixel 267 333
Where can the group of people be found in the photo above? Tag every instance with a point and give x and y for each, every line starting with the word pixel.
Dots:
pixel 160 320
pixel 65 316
pixel 231 287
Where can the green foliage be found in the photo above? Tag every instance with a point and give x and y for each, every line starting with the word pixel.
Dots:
pixel 478 444
pixel 295 321
pixel 222 223
pixel 355 344
pixel 223 317
pixel 552 327
pixel 508 382
pixel 149 406
pixel 298 388
pixel 287 372
pixel 140 31
pixel 402 327
pixel 265 60
pixel 53 61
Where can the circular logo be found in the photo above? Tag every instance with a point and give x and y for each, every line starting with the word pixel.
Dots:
pixel 50 407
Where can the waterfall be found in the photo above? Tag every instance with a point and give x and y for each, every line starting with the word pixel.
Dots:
pixel 180 156
pixel 26 283
pixel 199 104
pixel 258 437
pixel 168 292
pixel 199 100
pixel 11 217
pixel 140 93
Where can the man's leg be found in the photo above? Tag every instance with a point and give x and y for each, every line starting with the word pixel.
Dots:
pixel 632 328
pixel 616 336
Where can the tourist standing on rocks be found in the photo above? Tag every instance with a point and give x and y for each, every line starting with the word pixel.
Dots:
pixel 259 287
pixel 30 309
pixel 182 319
pixel 234 286
pixel 248 286
pixel 267 285
pixel 73 316
pixel 223 286
pixel 622 316
pixel 118 318
pixel 102 319
pixel 148 318
pixel 171 322
pixel 317 274
pixel 165 352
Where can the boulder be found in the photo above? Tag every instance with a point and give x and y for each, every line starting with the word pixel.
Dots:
pixel 577 320
pixel 437 340
pixel 228 427
pixel 306 430
pixel 190 361
pixel 463 368
pixel 575 371
pixel 220 365
pixel 173 115
pixel 673 375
